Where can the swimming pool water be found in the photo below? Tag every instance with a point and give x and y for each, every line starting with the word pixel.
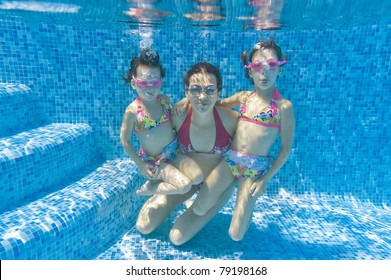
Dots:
pixel 67 188
pixel 285 227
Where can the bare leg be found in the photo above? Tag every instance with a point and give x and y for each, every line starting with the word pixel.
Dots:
pixel 189 224
pixel 189 168
pixel 173 176
pixel 217 182
pixel 157 187
pixel 156 209
pixel 244 207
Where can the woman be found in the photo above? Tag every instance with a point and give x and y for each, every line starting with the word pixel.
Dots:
pixel 204 135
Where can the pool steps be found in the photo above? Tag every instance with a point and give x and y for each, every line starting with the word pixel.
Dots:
pixel 67 212
pixel 26 157
pixel 20 109
pixel 74 221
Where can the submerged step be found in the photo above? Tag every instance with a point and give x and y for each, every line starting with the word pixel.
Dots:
pixel 37 159
pixel 20 109
pixel 75 221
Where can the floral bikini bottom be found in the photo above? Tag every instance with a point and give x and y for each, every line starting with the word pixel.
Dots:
pixel 245 165
pixel 167 155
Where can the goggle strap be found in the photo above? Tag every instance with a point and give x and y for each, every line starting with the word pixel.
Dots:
pixel 282 62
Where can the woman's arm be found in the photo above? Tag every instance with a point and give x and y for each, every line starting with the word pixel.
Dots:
pixel 166 99
pixel 181 107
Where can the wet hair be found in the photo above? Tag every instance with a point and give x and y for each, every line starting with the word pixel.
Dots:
pixel 203 67
pixel 147 57
pixel 271 44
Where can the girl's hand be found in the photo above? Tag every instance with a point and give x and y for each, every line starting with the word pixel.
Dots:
pixel 148 171
pixel 181 107
pixel 258 187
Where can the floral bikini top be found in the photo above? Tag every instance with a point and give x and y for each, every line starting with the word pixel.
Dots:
pixel 144 122
pixel 269 116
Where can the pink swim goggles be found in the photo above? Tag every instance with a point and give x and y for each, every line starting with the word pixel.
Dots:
pixel 270 64
pixel 141 83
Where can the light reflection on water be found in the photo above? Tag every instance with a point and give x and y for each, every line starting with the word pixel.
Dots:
pixel 227 14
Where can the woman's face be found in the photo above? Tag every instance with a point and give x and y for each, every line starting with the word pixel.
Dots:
pixel 266 77
pixel 147 82
pixel 202 92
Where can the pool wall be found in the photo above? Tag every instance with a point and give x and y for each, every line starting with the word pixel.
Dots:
pixel 337 79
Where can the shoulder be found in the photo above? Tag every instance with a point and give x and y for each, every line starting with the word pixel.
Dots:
pixel 242 94
pixel 165 98
pixel 132 108
pixel 228 118
pixel 131 111
pixel 284 103
pixel 178 119
pixel 225 112
pixel 286 109
pixel 288 120
pixel 129 117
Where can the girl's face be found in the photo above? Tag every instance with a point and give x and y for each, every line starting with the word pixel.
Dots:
pixel 266 77
pixel 202 92
pixel 147 82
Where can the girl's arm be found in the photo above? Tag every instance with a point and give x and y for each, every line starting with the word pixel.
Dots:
pixel 288 124
pixel 232 101
pixel 128 123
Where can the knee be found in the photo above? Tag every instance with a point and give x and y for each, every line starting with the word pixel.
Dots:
pixel 176 237
pixel 144 228
pixel 198 209
pixel 235 234
pixel 185 188
pixel 197 177
pixel 184 185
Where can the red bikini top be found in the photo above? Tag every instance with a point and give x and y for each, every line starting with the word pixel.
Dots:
pixel 223 139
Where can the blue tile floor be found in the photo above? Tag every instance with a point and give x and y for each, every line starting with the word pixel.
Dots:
pixel 286 226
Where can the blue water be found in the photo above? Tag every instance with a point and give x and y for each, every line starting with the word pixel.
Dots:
pixel 68 190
